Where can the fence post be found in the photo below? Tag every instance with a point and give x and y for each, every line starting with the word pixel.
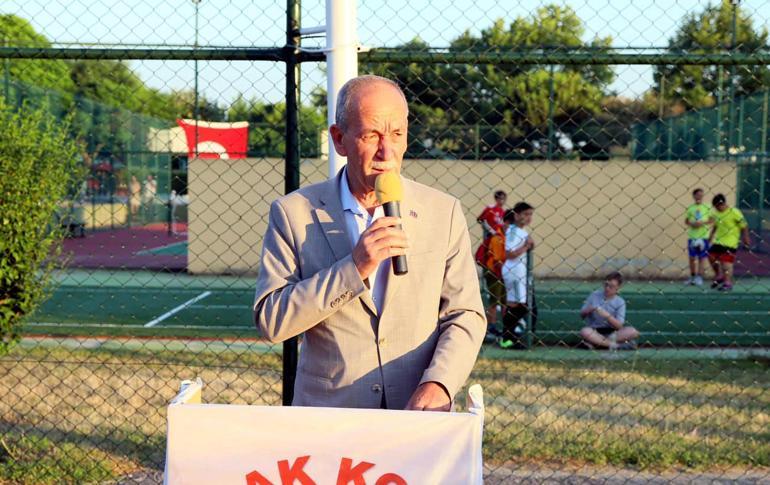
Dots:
pixel 733 45
pixel 685 144
pixel 761 209
pixel 129 215
pixel 763 165
pixel 550 114
pixel 763 140
pixel 291 181
pixel 531 303
pixel 720 140
pixel 739 134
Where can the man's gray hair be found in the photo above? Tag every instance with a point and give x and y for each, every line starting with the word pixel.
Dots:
pixel 348 91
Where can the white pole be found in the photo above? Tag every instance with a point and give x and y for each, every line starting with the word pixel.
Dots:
pixel 341 62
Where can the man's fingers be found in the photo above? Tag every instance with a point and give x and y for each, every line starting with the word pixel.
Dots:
pixel 385 232
pixel 384 222
pixel 411 405
pixel 380 240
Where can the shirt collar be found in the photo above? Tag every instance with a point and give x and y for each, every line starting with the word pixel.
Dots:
pixel 349 202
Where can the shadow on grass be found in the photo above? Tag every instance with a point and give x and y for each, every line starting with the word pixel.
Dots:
pixel 38 455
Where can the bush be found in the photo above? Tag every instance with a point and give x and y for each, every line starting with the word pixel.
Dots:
pixel 39 167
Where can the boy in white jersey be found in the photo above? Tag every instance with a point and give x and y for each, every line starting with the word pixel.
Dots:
pixel 517 243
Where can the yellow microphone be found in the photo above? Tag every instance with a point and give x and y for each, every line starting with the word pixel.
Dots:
pixel 389 192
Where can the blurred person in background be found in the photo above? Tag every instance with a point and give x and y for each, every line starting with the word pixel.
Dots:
pixel 605 314
pixel 697 218
pixel 514 271
pixel 729 227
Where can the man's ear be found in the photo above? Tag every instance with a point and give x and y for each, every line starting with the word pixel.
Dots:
pixel 337 134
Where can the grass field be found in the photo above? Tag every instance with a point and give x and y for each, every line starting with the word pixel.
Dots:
pixel 85 394
pixel 95 408
pixel 160 304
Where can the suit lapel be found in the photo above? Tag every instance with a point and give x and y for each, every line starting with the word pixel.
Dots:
pixel 331 217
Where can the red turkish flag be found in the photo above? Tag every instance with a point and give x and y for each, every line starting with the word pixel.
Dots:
pixel 215 140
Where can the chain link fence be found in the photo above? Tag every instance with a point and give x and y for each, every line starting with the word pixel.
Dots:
pixel 603 117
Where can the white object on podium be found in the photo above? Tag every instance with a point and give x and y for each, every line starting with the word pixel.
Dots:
pixel 261 445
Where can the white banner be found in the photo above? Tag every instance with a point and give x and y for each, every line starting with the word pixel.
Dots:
pixel 271 445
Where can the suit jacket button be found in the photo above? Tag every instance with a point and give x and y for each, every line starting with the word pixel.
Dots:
pixel 376 388
pixel 335 302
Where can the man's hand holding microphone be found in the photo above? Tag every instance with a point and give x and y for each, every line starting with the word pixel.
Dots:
pixel 384 238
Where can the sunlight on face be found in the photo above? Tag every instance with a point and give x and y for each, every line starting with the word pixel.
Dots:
pixel 376 136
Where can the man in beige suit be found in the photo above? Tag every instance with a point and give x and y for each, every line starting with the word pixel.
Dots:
pixel 371 339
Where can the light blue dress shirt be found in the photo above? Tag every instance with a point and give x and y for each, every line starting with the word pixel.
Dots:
pixel 357 220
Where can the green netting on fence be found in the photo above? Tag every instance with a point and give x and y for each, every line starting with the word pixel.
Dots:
pixel 724 130
pixel 128 182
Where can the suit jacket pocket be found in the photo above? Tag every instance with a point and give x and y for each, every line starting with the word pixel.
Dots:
pixel 314 376
pixel 313 388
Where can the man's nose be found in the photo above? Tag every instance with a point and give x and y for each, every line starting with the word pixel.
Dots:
pixel 385 148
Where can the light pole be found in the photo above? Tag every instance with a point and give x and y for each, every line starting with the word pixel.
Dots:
pixel 196 111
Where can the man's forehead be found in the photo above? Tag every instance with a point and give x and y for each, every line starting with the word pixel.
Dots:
pixel 379 116
pixel 378 95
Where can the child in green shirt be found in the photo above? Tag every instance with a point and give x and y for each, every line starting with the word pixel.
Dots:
pixel 729 226
pixel 697 219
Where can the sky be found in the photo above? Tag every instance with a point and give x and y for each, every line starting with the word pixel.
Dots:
pixel 261 23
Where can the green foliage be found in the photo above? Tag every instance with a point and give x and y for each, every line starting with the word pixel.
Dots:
pixel 48 73
pixel 267 127
pixel 114 84
pixel 708 32
pixel 110 83
pixel 39 167
pixel 449 101
pixel 182 105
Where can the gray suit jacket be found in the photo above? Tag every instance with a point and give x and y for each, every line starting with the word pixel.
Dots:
pixel 432 322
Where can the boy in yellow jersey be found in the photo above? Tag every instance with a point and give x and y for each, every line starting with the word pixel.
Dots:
pixel 729 226
pixel 697 219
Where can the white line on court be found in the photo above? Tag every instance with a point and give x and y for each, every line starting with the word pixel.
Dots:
pixel 223 307
pixel 673 312
pixel 120 325
pixel 159 248
pixel 178 309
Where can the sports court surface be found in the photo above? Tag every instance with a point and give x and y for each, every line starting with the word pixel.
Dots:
pixel 144 303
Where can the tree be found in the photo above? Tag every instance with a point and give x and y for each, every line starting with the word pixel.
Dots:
pixel 113 84
pixel 710 32
pixel 42 73
pixel 493 111
pixel 39 167
pixel 182 105
pixel 267 126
